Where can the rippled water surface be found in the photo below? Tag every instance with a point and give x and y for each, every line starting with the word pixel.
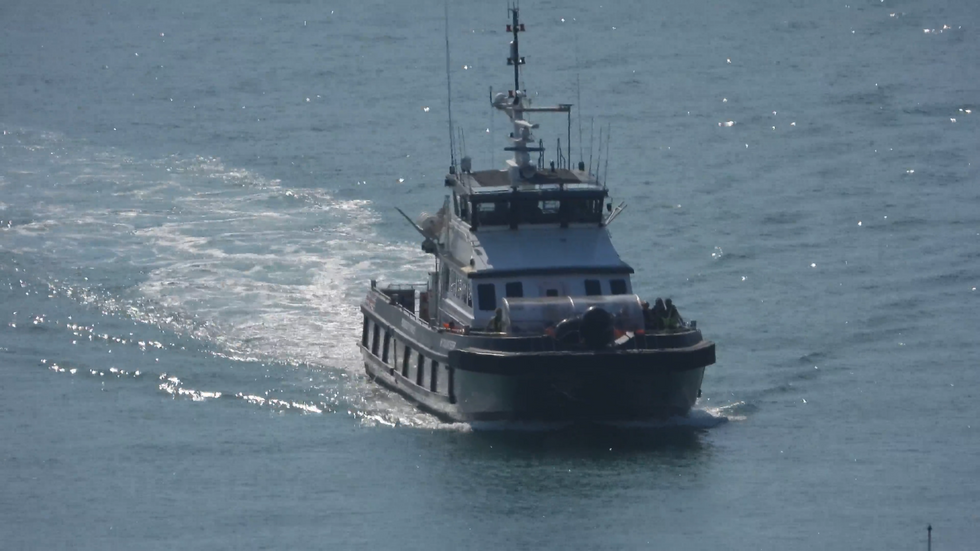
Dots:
pixel 194 195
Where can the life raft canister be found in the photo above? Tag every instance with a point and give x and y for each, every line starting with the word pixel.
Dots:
pixel 597 328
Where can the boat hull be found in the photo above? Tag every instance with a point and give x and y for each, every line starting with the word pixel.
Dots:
pixel 562 395
pixel 487 378
pixel 490 378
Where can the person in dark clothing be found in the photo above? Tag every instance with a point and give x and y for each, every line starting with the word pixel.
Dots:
pixel 659 314
pixel 673 318
pixel 648 321
pixel 496 324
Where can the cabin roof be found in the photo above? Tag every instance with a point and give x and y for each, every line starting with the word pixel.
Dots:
pixel 545 251
pixel 493 178
pixel 498 180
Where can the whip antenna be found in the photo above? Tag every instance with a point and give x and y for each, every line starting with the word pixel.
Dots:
pixel 605 170
pixel 578 92
pixel 591 144
pixel 598 162
pixel 449 96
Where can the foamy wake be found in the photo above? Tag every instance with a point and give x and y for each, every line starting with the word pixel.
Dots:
pixel 225 255
pixel 405 415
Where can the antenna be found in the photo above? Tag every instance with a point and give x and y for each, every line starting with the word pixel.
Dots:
pixel 605 174
pixel 598 161
pixel 568 159
pixel 449 95
pixel 591 140
pixel 493 161
pixel 515 58
pixel 578 99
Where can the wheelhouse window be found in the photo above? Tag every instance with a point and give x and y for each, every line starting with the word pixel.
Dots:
pixel 564 206
pixel 593 287
pixel 584 211
pixel 617 286
pixel 487 296
pixel 538 212
pixel 496 213
pixel 549 207
pixel 514 289
pixel 453 284
pixel 459 287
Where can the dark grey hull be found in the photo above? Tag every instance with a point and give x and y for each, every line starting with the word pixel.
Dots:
pixel 574 395
pixel 490 378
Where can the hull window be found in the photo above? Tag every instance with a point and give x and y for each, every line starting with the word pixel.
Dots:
pixel 449 385
pixel 387 346
pixel 487 295
pixel 365 332
pixel 434 375
pixel 412 367
pixel 514 289
pixel 424 306
pixel 406 357
pixel 395 356
pixel 442 385
pixel 420 372
pixel 376 339
pixel 617 286
pixel 592 287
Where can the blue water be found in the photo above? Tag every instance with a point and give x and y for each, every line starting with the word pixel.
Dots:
pixel 194 195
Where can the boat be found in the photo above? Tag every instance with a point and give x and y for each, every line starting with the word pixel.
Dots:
pixel 529 313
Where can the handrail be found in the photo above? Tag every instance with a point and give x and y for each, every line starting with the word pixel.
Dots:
pixel 404 286
pixel 399 305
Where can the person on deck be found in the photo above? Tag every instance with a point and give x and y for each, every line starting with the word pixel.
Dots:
pixel 673 320
pixel 648 322
pixel 496 324
pixel 659 314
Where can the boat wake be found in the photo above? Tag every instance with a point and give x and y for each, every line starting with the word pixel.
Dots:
pixel 216 258
pixel 397 412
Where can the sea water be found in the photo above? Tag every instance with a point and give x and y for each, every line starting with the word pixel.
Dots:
pixel 194 196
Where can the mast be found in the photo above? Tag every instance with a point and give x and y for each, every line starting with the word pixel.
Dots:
pixel 521 136
pixel 516 104
pixel 515 59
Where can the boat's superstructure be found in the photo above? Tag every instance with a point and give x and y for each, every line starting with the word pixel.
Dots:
pixel 530 312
